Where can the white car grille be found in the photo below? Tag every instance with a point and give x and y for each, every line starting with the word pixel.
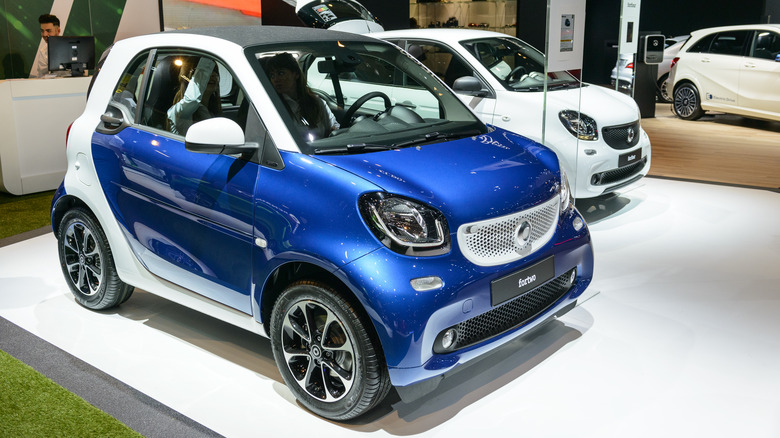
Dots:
pixel 500 240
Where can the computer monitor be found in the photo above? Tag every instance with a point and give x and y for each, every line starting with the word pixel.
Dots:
pixel 74 53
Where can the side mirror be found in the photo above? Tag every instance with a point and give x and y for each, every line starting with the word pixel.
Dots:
pixel 469 85
pixel 217 135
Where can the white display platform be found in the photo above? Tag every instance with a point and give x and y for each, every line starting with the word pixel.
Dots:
pixel 682 338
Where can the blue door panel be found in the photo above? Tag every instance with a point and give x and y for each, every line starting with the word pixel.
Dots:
pixel 193 211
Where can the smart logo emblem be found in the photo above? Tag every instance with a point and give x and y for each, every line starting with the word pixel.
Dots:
pixel 630 135
pixel 523 232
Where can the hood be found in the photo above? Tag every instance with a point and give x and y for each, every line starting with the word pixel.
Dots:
pixel 469 179
pixel 608 107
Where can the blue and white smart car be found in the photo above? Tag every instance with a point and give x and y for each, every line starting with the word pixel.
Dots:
pixel 389 251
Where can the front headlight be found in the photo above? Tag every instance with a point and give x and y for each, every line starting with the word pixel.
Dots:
pixel 404 225
pixel 565 192
pixel 579 125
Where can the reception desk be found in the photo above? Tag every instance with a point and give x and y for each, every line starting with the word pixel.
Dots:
pixel 34 117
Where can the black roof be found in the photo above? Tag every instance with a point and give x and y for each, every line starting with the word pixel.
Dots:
pixel 246 36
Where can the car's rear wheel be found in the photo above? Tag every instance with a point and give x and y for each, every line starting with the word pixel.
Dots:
pixel 687 103
pixel 324 352
pixel 663 89
pixel 87 262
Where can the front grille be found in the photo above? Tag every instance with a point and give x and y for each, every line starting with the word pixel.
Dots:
pixel 511 314
pixel 622 136
pixel 495 241
pixel 619 174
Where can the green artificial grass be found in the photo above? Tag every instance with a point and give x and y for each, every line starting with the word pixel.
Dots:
pixel 24 213
pixel 31 405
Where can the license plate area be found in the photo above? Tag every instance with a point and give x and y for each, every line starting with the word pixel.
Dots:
pixel 629 157
pixel 522 281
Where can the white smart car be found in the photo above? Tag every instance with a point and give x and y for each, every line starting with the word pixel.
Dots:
pixel 603 146
pixel 733 69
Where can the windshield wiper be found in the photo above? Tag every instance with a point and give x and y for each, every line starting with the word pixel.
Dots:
pixel 561 86
pixel 357 147
pixel 433 136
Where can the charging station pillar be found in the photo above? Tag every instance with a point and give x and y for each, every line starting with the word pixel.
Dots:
pixel 651 53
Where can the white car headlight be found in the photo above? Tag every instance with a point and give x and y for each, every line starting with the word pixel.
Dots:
pixel 579 125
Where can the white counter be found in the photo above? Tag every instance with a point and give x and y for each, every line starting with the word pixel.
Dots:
pixel 34 117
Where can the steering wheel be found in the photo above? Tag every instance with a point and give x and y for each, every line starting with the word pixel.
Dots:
pixel 363 99
pixel 518 71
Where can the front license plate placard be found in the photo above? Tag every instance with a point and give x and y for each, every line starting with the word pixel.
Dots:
pixel 630 157
pixel 522 281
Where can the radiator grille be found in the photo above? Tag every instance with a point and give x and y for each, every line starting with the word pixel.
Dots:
pixel 619 174
pixel 622 136
pixel 500 240
pixel 513 313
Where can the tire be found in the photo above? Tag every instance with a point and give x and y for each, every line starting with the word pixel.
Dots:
pixel 687 103
pixel 87 262
pixel 337 373
pixel 662 90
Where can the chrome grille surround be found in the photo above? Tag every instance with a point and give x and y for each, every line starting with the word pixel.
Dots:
pixel 500 240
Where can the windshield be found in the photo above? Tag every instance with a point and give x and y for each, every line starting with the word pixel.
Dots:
pixel 518 66
pixel 355 97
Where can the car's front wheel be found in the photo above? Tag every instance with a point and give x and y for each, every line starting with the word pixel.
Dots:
pixel 87 262
pixel 324 352
pixel 687 103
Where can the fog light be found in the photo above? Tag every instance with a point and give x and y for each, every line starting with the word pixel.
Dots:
pixel 578 223
pixel 573 276
pixel 423 284
pixel 448 339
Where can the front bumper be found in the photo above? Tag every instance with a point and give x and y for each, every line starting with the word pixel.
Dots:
pixel 598 166
pixel 409 322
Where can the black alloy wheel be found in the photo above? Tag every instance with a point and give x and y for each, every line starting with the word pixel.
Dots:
pixel 324 352
pixel 87 262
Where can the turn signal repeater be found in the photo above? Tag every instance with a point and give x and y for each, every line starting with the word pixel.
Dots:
pixel 423 284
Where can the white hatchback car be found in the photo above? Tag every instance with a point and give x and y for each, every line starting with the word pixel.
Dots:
pixel 733 69
pixel 602 146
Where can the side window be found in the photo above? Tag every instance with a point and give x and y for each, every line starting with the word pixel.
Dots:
pixel 185 88
pixel 730 43
pixel 127 91
pixel 440 60
pixel 766 45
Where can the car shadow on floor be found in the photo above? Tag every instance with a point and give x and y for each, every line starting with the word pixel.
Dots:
pixel 470 382
pixel 595 210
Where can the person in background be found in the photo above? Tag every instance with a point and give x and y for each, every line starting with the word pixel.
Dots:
pixel 50 26
pixel 312 116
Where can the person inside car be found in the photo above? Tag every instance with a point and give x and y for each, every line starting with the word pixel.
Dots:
pixel 197 98
pixel 312 116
